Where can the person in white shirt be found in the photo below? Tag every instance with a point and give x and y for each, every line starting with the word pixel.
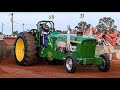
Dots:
pixel 108 47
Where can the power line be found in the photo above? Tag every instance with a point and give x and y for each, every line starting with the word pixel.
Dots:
pixel 17 22
pixel 24 24
pixel 30 24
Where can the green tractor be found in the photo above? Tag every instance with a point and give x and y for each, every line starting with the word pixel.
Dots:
pixel 73 50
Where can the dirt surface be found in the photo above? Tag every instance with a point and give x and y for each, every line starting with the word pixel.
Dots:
pixel 9 69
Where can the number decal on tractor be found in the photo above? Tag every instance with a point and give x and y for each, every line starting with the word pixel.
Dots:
pixel 49 44
pixel 50 55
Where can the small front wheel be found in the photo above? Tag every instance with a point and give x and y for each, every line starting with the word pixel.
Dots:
pixel 106 63
pixel 70 64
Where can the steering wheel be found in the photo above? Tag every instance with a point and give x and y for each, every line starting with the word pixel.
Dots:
pixel 50 30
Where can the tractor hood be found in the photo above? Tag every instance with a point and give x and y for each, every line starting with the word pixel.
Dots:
pixel 79 39
pixel 73 38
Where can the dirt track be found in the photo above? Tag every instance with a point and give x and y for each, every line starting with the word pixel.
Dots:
pixel 9 69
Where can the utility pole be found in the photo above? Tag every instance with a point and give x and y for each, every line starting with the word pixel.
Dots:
pixel 68 37
pixel 2 28
pixel 12 22
pixel 51 17
pixel 81 16
pixel 23 26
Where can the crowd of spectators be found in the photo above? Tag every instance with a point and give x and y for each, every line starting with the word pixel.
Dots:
pixel 97 35
pixel 116 35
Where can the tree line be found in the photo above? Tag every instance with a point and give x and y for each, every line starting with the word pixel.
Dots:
pixel 104 23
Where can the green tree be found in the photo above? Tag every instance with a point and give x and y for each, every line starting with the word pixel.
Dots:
pixel 83 25
pixel 15 32
pixel 0 33
pixel 106 22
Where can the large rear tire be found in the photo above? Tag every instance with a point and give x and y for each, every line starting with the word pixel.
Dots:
pixel 25 49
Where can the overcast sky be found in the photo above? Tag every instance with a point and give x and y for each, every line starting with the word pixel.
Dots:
pixel 61 19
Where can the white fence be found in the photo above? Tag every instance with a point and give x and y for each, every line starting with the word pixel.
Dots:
pixel 1 37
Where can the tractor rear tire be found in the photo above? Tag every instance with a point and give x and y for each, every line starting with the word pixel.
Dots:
pixel 25 49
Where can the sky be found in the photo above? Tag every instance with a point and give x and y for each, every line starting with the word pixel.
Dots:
pixel 61 19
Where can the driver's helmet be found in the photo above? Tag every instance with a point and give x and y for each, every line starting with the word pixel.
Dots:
pixel 46 28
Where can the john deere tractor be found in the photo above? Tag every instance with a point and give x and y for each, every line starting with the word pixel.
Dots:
pixel 73 50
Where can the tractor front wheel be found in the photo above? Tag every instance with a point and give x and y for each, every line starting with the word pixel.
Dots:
pixel 106 63
pixel 70 64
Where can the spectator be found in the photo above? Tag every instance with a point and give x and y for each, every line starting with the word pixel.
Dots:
pixel 118 39
pixel 108 43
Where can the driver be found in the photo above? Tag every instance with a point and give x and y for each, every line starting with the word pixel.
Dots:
pixel 44 35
